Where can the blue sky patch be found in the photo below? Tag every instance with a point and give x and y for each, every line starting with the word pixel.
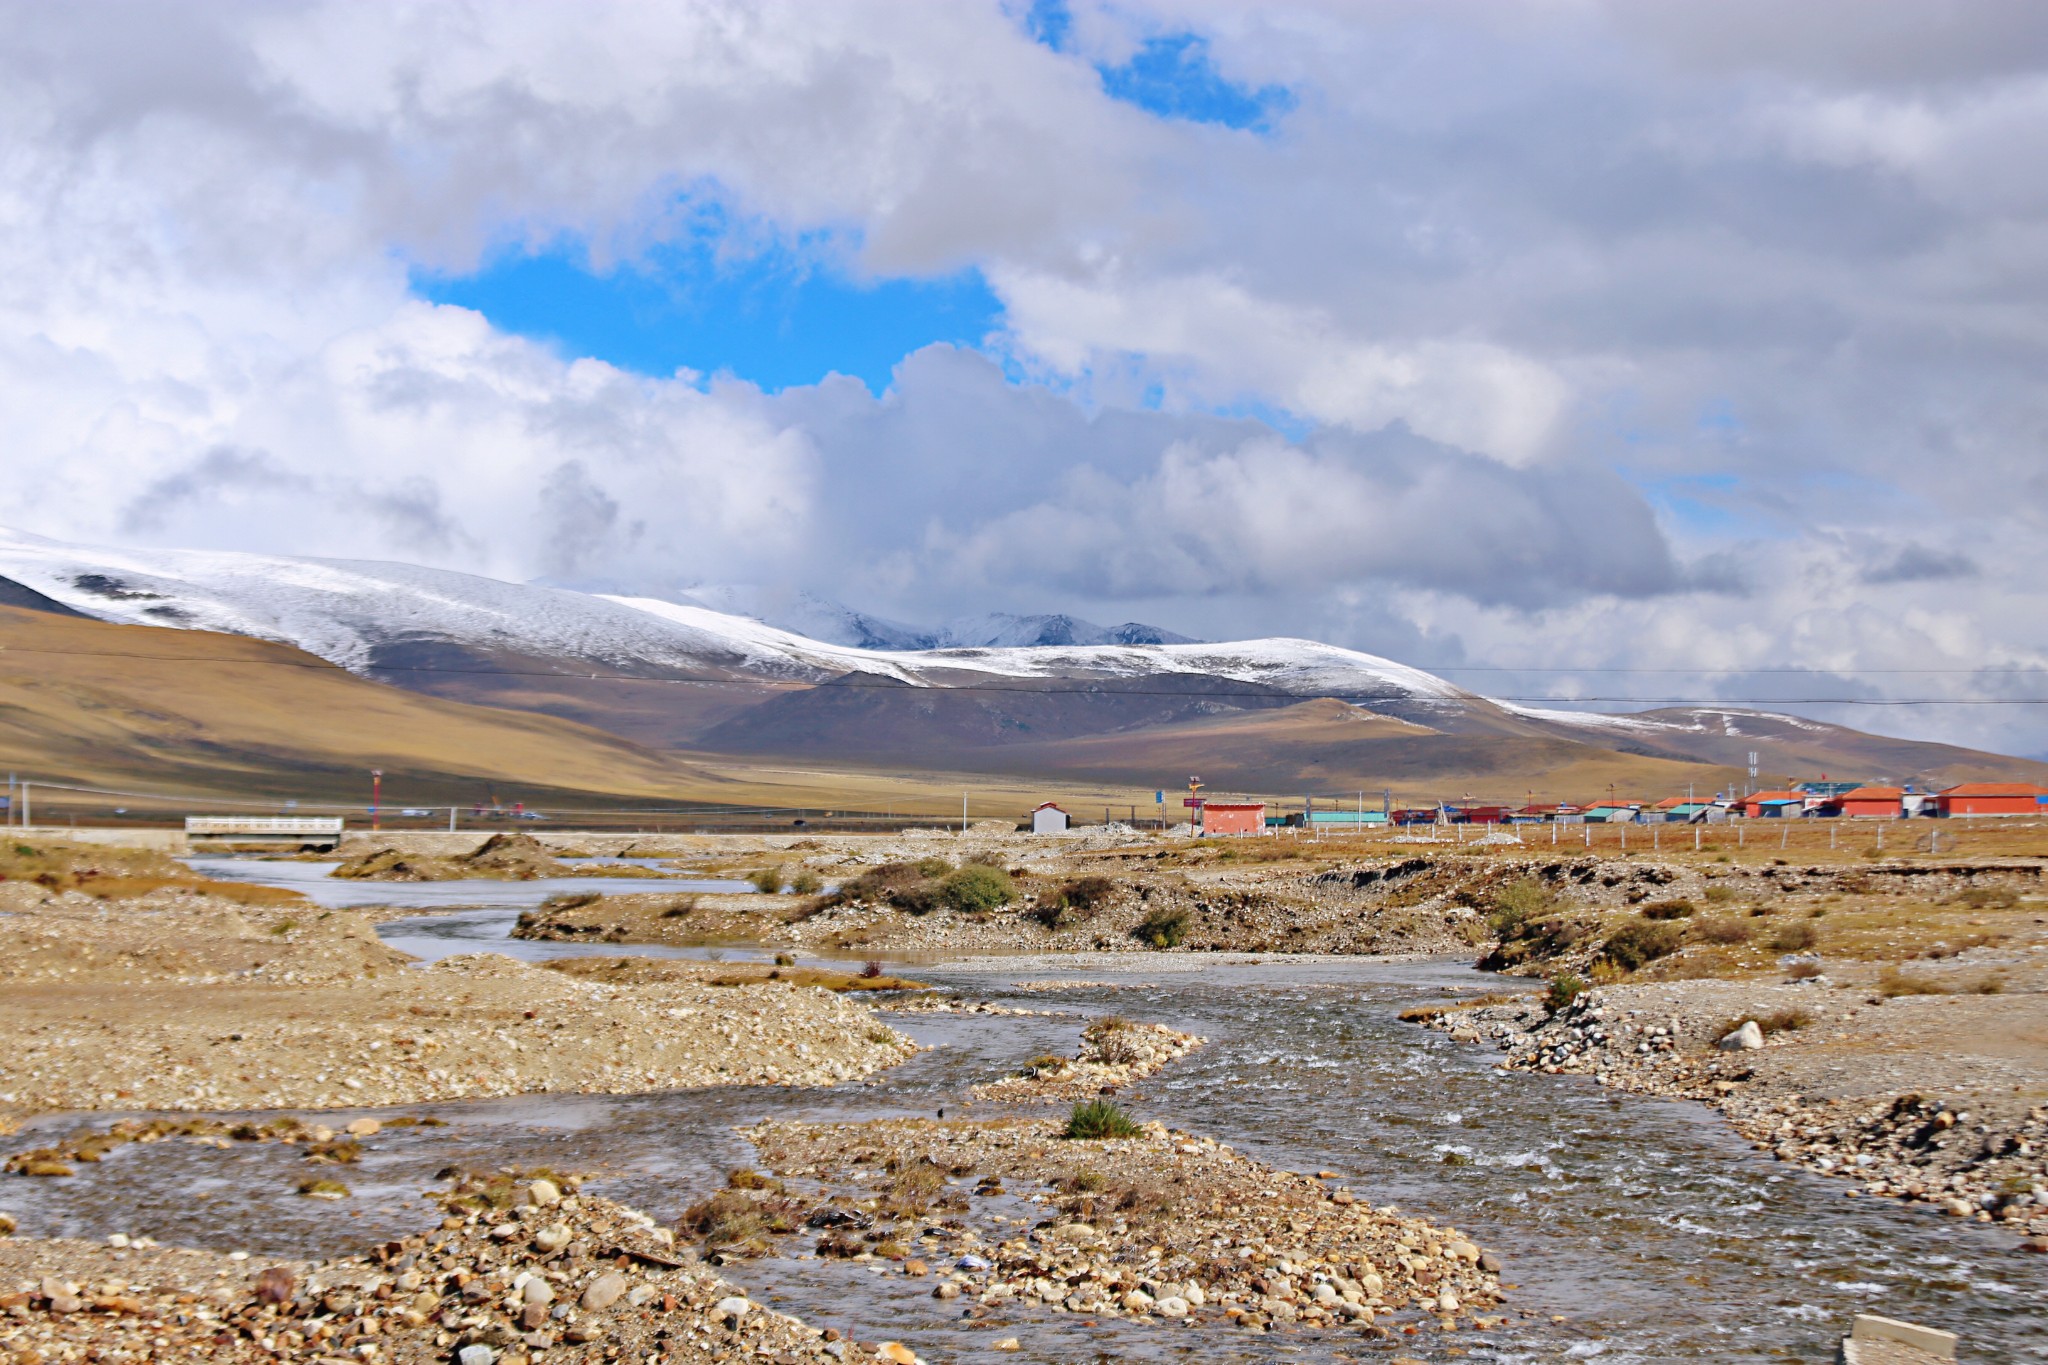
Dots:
pixel 776 318
pixel 1171 75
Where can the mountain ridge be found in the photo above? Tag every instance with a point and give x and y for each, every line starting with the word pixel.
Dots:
pixel 687 677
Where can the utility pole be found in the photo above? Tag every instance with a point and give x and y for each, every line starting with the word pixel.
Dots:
pixel 963 812
pixel 376 795
pixel 451 819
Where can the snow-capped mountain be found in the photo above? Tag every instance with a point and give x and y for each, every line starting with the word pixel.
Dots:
pixel 713 673
pixel 354 612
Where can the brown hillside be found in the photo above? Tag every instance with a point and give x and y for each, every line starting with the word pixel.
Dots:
pixel 1325 747
pixel 112 705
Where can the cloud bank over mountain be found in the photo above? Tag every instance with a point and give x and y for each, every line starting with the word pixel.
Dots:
pixel 1556 338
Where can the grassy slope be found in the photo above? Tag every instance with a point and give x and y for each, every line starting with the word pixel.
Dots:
pixel 1324 747
pixel 106 704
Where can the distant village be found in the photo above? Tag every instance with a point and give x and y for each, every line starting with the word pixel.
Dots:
pixel 1821 800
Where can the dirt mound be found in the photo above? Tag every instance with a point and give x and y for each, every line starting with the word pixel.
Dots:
pixel 509 857
pixel 514 855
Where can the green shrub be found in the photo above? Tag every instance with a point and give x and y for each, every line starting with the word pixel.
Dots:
pixel 1094 1120
pixel 1636 945
pixel 1564 988
pixel 1166 927
pixel 978 887
pixel 1517 904
pixel 1720 895
pixel 805 882
pixel 767 881
pixel 1988 898
pixel 1672 909
pixel 932 867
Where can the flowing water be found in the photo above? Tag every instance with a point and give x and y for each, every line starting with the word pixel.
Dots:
pixel 1645 1225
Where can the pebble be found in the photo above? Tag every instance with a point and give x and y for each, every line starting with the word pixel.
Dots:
pixel 476 1353
pixel 733 1308
pixel 604 1291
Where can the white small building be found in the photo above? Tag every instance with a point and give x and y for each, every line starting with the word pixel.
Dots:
pixel 1048 819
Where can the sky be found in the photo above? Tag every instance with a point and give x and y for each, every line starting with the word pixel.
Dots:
pixel 1605 349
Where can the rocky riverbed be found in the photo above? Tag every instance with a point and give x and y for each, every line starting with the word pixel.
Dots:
pixel 1936 1099
pixel 1162 1226
pixel 520 1266
pixel 1115 1052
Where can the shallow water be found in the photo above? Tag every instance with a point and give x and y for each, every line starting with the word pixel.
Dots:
pixel 1646 1224
pixel 312 880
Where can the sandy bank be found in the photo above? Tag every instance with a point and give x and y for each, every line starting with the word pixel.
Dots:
pixel 182 1002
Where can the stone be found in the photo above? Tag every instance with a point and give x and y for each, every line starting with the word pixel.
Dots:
pixel 1137 1301
pixel 552 1238
pixel 896 1353
pixel 642 1294
pixel 604 1291
pixel 1006 1344
pixel 1447 1302
pixel 916 1267
pixel 533 1317
pixel 7 1225
pixel 275 1285
pixel 1194 1295
pixel 537 1290
pixel 363 1128
pixel 476 1353
pixel 1173 1306
pixel 1748 1038
pixel 545 1193
pixel 1489 1263
pixel 946 1290
pixel 732 1309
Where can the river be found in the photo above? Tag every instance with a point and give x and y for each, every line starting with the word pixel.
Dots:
pixel 1646 1226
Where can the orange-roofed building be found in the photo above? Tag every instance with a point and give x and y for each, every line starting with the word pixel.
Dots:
pixel 1879 803
pixel 1991 798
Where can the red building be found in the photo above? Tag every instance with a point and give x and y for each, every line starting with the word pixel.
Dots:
pixel 1229 817
pixel 1752 807
pixel 1887 803
pixel 1990 798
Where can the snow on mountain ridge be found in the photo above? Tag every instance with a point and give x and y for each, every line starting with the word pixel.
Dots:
pixel 345 610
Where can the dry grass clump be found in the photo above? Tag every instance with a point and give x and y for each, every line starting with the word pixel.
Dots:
pixel 1778 1021
pixel 1988 898
pixel 1896 981
pixel 1796 938
pixel 1075 903
pixel 1671 909
pixel 739 1220
pixel 1805 971
pixel 1726 932
pixel 1636 945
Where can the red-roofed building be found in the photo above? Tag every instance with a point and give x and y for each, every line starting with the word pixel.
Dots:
pixel 1991 798
pixel 1878 803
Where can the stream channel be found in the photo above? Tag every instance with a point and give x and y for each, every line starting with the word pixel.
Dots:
pixel 1636 1229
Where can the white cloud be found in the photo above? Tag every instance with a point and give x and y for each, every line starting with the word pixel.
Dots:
pixel 1784 270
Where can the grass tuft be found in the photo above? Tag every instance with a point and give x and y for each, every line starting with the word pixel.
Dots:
pixel 1096 1120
